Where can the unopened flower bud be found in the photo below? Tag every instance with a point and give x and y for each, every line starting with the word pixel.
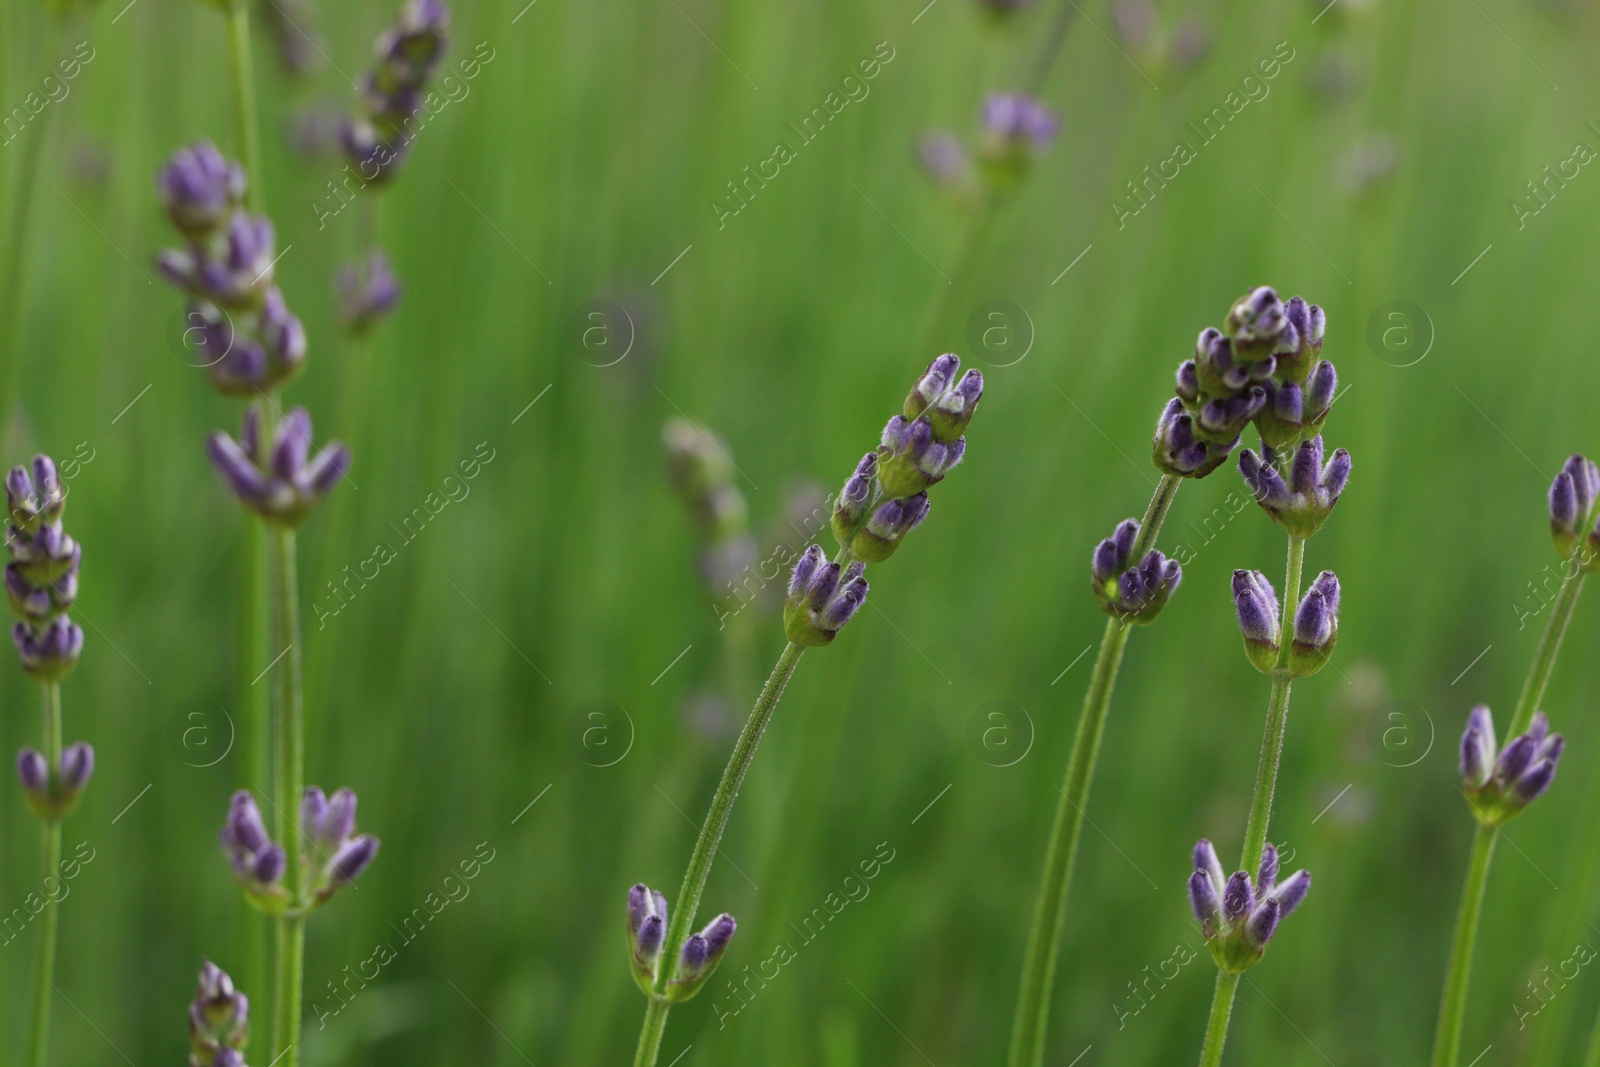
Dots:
pixel 1308 324
pixel 1181 450
pixel 1500 787
pixel 1304 503
pixel 1256 604
pixel 1574 525
pixel 699 958
pixel 258 863
pixel 647 929
pixel 219 1021
pixel 1239 916
pixel 1135 593
pixel 913 459
pixel 292 483
pixel 1259 326
pixel 821 598
pixel 1316 626
pixel 877 540
pixel 335 855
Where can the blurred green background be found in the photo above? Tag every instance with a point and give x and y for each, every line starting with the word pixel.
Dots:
pixel 457 687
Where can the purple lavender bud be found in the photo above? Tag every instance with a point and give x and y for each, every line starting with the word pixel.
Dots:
pixel 699 957
pixel 852 594
pixel 48 655
pixel 1534 781
pixel 1585 475
pixel 231 461
pixel 1257 324
pixel 1319 392
pixel 283 338
pixel 34 771
pixel 1288 404
pixel 1291 891
pixel 1478 747
pixel 368 292
pixel 1515 759
pixel 244 831
pixel 313 810
pixel 1264 481
pixel 1256 604
pixel 1316 621
pixel 292 486
pixel 353 858
pixel 814 614
pixel 1203 899
pixel 652 932
pixel 933 383
pixel 1205 859
pixel 1107 561
pixel 339 821
pixel 1176 450
pixel 1335 476
pixel 77 765
pixel 1017 119
pixel 945 158
pixel 27 600
pixel 219 1019
pixel 266 867
pixel 1239 898
pixel 1307 467
pixel 805 572
pixel 1188 386
pixel 1267 877
pixel 200 189
pixel 1263 923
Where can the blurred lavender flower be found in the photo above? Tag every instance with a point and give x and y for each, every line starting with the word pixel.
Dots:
pixel 1316 626
pixel 42 577
pixel 238 323
pixel 219 1021
pixel 1015 128
pixel 946 159
pixel 1574 525
pixel 405 57
pixel 291 483
pixel 258 863
pixel 335 854
pixel 1135 594
pixel 1500 786
pixel 1303 503
pixel 368 292
pixel 701 470
pixel 822 598
pixel 1238 915
pixel 52 792
pixel 647 931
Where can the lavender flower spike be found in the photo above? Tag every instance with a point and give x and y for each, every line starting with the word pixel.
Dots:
pixel 219 1021
pixel 1239 915
pixel 1500 786
pixel 42 578
pixel 292 483
pixel 52 793
pixel 336 855
pixel 392 94
pixel 700 956
pixel 1135 594
pixel 258 863
pixel 822 598
pixel 1573 521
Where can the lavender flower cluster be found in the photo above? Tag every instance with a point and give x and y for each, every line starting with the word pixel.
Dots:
pixel 1238 916
pixel 404 59
pixel 238 322
pixel 333 854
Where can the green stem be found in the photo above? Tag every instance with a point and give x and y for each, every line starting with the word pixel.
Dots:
pixel 655 1027
pixel 1054 38
pixel 1255 834
pixel 705 848
pixel 1221 1012
pixel 1447 1041
pixel 12 275
pixel 1544 657
pixel 246 127
pixel 1032 1019
pixel 44 985
pixel 289 765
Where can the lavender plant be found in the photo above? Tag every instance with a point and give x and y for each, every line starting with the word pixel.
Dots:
pixel 1499 782
pixel 882 500
pixel 219 1021
pixel 253 345
pixel 1264 367
pixel 41 583
pixel 1217 396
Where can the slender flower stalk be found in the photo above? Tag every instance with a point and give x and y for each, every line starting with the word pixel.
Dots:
pixel 1499 783
pixel 881 502
pixel 41 583
pixel 1268 355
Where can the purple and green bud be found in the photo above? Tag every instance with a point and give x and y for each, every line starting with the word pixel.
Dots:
pixel 333 854
pixel 258 863
pixel 1304 347
pixel 699 958
pixel 219 1021
pixel 1256 604
pixel 1316 627
pixel 234 270
pixel 368 292
pixel 405 57
pixel 1135 593
pixel 201 190
pixel 1016 127
pixel 42 578
pixel 883 531
pixel 1302 503
pixel 1259 326
pixel 1499 786
pixel 284 485
pixel 912 458
pixel 1180 449
pixel 822 598
pixel 1573 518
pixel 52 792
pixel 1238 916
pixel 647 929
